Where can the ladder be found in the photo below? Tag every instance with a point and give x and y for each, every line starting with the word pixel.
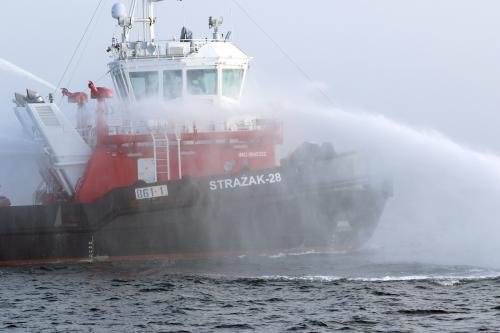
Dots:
pixel 161 156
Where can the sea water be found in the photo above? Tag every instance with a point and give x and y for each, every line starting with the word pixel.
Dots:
pixel 304 292
pixel 431 266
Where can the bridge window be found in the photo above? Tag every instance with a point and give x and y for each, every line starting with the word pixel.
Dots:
pixel 202 81
pixel 145 84
pixel 231 82
pixel 121 85
pixel 172 84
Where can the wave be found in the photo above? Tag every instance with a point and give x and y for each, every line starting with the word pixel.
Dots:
pixel 290 254
pixel 445 280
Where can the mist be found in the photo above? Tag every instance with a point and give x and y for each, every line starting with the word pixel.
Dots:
pixel 444 208
pixel 420 101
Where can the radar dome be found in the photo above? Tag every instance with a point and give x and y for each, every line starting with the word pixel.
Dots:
pixel 119 11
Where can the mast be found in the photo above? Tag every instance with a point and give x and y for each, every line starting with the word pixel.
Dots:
pixel 127 21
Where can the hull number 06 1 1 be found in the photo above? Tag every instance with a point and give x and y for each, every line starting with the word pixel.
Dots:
pixel 151 192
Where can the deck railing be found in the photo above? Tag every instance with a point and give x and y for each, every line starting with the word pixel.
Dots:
pixel 160 48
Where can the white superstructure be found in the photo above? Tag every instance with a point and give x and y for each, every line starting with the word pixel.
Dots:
pixel 210 69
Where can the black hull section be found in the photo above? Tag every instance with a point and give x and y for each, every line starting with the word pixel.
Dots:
pixel 266 210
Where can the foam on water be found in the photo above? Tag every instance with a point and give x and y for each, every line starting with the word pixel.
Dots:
pixel 445 280
pixel 286 254
pixel 441 279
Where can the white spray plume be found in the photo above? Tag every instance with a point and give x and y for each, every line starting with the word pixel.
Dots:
pixel 445 206
pixel 10 67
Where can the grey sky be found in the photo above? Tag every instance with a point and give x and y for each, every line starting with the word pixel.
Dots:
pixel 432 63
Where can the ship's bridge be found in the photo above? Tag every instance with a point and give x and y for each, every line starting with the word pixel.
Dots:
pixel 186 69
pixel 216 71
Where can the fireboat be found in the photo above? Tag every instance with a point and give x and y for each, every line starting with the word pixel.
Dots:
pixel 135 181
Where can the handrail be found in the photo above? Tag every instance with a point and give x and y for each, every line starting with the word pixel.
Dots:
pixel 154 156
pixel 138 128
pixel 159 137
pixel 179 156
pixel 141 49
pixel 168 156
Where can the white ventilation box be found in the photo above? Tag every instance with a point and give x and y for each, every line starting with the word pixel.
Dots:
pixel 178 49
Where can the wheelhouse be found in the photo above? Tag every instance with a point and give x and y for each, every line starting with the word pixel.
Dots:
pixel 213 70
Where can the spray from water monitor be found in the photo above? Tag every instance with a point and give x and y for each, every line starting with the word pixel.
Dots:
pixel 7 66
pixel 444 207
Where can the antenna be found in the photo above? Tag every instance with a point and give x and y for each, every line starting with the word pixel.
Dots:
pixel 215 23
pixel 119 11
pixel 148 19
